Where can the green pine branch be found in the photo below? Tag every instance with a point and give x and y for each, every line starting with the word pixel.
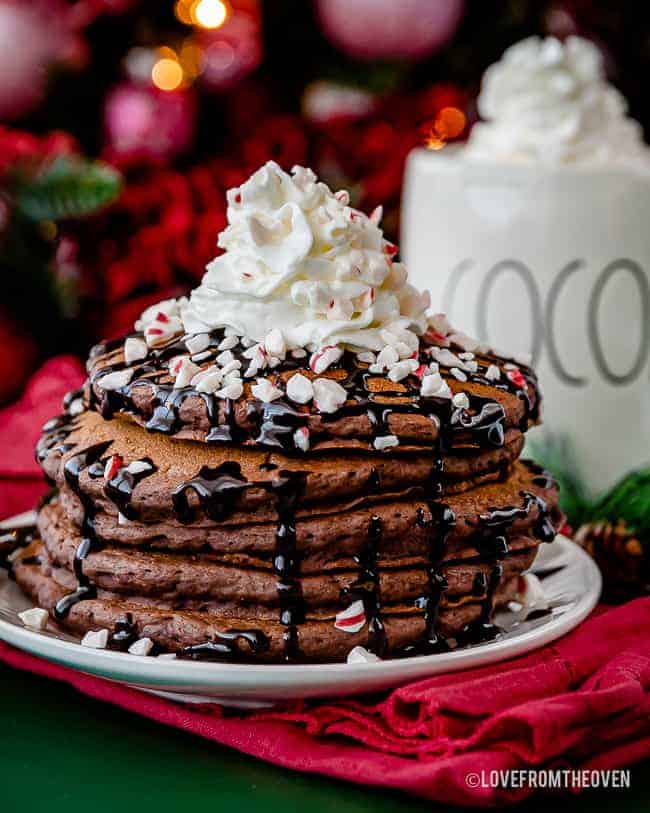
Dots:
pixel 68 187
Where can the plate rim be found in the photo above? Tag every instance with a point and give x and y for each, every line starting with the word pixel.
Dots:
pixel 250 680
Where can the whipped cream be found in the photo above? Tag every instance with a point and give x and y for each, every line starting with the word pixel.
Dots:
pixel 549 102
pixel 299 258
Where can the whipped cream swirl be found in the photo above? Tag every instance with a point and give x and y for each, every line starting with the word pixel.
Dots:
pixel 300 259
pixel 549 102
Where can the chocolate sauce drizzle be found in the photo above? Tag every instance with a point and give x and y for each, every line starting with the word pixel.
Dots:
pixel 367 588
pixel 232 644
pixel 72 472
pixel 121 487
pixel 288 488
pixel 217 489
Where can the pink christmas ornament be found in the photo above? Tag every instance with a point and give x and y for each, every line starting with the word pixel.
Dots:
pixel 142 120
pixel 231 52
pixel 31 39
pixel 389 29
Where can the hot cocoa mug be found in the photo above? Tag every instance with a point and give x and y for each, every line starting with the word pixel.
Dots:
pixel 553 262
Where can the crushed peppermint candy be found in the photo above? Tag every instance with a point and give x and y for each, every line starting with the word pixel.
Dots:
pixel 458 374
pixel 184 369
pixel 275 344
pixel 434 386
pixel 461 400
pixel 95 639
pixel 324 358
pixel 139 467
pixel 328 395
pixel 228 343
pixel 142 647
pixel 233 390
pixel 208 381
pixel 360 654
pixel 300 389
pixel 516 377
pixel 36 618
pixel 385 442
pixel 301 439
pixel 265 391
pixel 352 619
pixel 493 373
pixel 113 465
pixel 115 380
pixel 203 356
pixel 198 343
pixel 403 369
pixel 299 353
pixel 135 350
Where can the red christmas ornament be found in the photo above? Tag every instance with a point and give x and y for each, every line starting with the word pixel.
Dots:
pixel 140 120
pixel 389 29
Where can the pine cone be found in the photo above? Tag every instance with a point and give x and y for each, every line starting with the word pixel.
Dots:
pixel 621 556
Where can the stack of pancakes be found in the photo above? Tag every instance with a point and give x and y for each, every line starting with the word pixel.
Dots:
pixel 196 522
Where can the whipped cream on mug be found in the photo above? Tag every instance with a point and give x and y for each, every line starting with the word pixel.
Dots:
pixel 299 258
pixel 549 102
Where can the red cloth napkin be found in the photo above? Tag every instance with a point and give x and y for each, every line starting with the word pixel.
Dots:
pixel 21 479
pixel 581 702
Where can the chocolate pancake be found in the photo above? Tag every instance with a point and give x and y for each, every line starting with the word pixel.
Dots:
pixel 208 631
pixel 375 405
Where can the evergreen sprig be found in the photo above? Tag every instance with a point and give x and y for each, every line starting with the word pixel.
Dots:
pixel 67 187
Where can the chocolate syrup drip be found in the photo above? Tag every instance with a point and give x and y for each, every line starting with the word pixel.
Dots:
pixel 124 634
pixel 218 491
pixel 441 524
pixel 120 488
pixel 286 560
pixel 72 471
pixel 490 540
pixel 276 422
pixel 226 646
pixel 485 424
pixel 167 402
pixel 366 588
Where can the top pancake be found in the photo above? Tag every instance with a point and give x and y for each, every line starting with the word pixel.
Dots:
pixel 376 405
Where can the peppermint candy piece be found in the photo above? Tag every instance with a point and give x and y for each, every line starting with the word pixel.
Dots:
pixel 113 465
pixel 324 358
pixel 460 400
pixel 198 343
pixel 134 350
pixel 274 344
pixel 434 386
pixel 95 639
pixel 142 647
pixel 352 619
pixel 184 370
pixel 36 618
pixel 328 395
pixel 360 654
pixel 265 391
pixel 385 442
pixel 517 378
pixel 300 389
pixel 493 373
pixel 115 380
pixel 301 439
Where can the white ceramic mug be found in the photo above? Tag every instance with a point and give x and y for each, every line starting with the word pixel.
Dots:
pixel 554 262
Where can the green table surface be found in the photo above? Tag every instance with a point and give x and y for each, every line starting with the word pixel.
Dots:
pixel 61 752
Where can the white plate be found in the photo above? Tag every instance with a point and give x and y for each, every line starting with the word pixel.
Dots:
pixel 572 588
